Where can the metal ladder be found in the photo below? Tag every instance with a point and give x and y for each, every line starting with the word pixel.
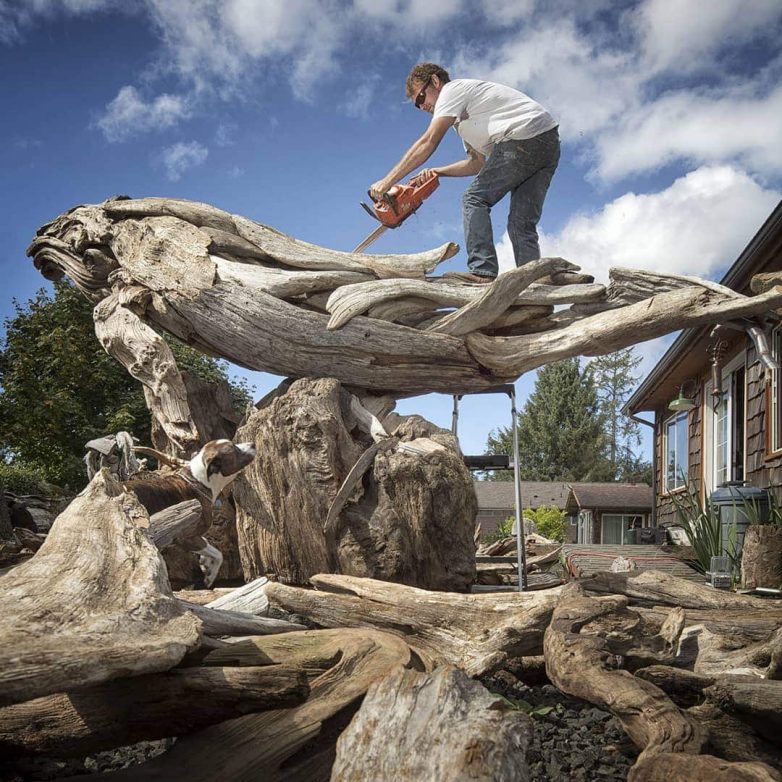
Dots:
pixel 501 462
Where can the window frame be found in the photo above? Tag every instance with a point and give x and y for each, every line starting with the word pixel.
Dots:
pixel 675 418
pixel 774 406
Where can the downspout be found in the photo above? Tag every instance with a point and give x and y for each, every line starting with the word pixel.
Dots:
pixel 654 465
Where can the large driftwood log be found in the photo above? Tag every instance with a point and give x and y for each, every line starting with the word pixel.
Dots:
pixel 435 726
pixel 142 708
pixel 761 557
pixel 580 661
pixel 93 604
pixel 237 289
pixel 178 521
pixel 323 497
pixel 478 633
pixel 670 766
pixel 296 745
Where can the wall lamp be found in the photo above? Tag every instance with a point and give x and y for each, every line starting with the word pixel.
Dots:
pixel 683 403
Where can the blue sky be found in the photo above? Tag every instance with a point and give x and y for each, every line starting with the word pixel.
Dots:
pixel 670 113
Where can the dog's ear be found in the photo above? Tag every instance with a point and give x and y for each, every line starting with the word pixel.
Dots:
pixel 215 466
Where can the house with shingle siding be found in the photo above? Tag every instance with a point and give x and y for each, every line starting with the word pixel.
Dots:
pixel 595 508
pixel 734 430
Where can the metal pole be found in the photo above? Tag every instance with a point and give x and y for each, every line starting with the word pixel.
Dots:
pixel 455 415
pixel 521 553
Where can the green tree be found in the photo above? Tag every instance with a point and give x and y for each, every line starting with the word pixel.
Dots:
pixel 561 429
pixel 59 389
pixel 615 378
pixel 550 521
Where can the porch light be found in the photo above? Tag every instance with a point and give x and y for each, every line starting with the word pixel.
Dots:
pixel 682 403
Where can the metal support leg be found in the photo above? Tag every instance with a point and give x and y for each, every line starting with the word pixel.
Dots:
pixel 521 549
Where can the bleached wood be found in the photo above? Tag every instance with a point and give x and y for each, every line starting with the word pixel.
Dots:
pixel 61 628
pixel 350 301
pixel 191 269
pixel 149 359
pixel 178 521
pixel 498 297
pixel 284 744
pixel 222 622
pixel 250 598
pixel 144 708
pixel 578 662
pixel 435 726
pixel 610 331
pixel 475 632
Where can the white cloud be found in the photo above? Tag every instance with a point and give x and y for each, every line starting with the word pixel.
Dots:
pixel 180 157
pixel 224 135
pixel 702 128
pixel 696 226
pixel 17 15
pixel 409 14
pixel 605 88
pixel 583 83
pixel 223 42
pixel 686 35
pixel 128 114
pixel 505 12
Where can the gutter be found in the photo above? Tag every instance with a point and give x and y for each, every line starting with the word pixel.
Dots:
pixel 654 464
pixel 733 277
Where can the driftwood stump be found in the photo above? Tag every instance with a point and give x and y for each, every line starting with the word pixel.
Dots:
pixel 435 726
pixel 93 604
pixel 406 513
pixel 761 557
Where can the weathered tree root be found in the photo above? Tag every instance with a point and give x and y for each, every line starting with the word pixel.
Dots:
pixel 291 744
pixel 478 633
pixel 581 662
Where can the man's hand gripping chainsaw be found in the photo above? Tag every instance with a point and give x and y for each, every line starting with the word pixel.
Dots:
pixel 397 205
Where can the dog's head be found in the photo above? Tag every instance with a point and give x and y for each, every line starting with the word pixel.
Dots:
pixel 219 462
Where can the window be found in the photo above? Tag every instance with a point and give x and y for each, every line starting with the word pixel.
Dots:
pixel 676 451
pixel 776 392
pixel 729 414
pixel 617 528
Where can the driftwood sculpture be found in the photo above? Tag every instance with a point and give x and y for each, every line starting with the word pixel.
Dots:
pixel 84 622
pixel 237 289
pixel 325 497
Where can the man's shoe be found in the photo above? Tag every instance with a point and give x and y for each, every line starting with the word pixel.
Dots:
pixel 477 279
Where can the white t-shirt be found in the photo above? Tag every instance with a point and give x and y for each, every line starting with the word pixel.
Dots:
pixel 488 113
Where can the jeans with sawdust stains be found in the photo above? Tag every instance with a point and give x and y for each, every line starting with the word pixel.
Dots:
pixel 523 169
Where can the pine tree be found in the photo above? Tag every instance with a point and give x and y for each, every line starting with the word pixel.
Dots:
pixel 614 377
pixel 561 429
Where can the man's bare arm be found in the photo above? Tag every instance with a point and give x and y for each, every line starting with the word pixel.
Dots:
pixel 416 156
pixel 470 166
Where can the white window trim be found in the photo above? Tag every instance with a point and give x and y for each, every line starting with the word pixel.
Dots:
pixel 667 489
pixel 775 438
pixel 708 445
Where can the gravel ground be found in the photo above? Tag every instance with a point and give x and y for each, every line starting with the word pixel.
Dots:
pixel 35 769
pixel 573 739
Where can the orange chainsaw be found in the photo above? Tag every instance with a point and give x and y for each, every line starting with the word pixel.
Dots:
pixel 396 206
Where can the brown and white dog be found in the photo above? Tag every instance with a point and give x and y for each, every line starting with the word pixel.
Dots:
pixel 202 479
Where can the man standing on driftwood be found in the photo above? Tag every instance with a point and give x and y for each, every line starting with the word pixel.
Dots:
pixel 512 146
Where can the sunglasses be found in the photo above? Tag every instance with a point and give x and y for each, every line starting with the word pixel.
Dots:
pixel 421 97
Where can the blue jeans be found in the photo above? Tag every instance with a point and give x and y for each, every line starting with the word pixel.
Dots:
pixel 523 169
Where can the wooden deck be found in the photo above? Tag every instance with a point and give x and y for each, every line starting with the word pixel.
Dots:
pixel 584 559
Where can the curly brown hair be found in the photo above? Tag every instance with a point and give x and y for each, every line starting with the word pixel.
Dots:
pixel 421 73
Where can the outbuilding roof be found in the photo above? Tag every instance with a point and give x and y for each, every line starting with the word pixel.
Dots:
pixel 619 496
pixel 565 496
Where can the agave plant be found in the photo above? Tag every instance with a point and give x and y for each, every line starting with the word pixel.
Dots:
pixel 701 522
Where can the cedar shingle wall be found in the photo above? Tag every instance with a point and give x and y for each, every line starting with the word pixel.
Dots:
pixel 760 472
